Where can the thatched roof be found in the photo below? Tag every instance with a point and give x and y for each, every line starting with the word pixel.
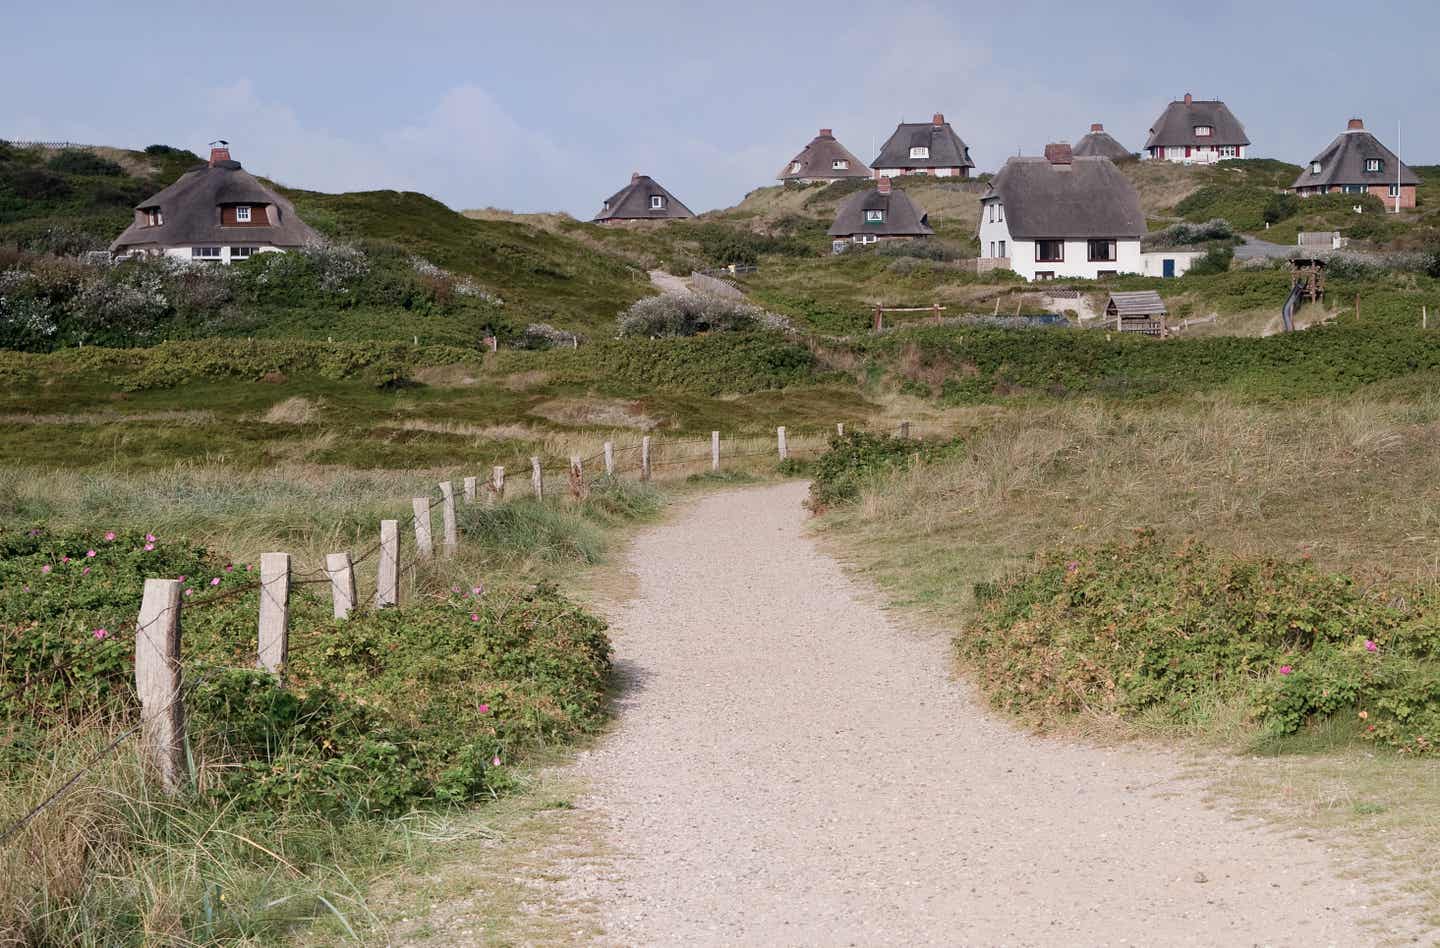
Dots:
pixel 1177 124
pixel 1343 162
pixel 633 203
pixel 818 158
pixel 1100 144
pixel 903 217
pixel 1136 304
pixel 946 148
pixel 191 207
pixel 1087 198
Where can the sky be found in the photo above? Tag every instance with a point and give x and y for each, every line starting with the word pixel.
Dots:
pixel 546 106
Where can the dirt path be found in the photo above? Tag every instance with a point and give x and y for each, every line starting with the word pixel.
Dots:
pixel 792 767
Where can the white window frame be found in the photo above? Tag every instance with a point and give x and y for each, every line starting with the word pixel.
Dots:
pixel 794 167
pixel 1000 213
pixel 920 151
pixel 839 164
pixel 992 212
pixel 154 217
pixel 243 253
pixel 242 213
pixel 1394 190
pixel 867 238
pixel 1003 254
pixel 206 253
pixel 1374 164
pixel 1229 151
pixel 874 216
pixel 1204 131
pixel 657 202
pixel 1314 167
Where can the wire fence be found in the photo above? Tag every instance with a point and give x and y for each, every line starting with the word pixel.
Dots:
pixel 641 457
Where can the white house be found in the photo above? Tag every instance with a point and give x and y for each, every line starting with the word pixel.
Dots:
pixel 215 213
pixel 1061 217
pixel 1197 131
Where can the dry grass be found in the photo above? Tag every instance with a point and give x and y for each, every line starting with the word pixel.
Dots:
pixel 606 412
pixel 296 410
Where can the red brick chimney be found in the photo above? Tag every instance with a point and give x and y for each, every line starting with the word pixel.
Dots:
pixel 219 151
pixel 939 119
pixel 883 186
pixel 1356 125
pixel 1096 127
pixel 826 133
pixel 1059 154
pixel 1189 98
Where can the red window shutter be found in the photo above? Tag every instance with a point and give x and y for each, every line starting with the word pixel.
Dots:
pixel 1187 151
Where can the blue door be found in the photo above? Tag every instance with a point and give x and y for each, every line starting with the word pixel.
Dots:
pixel 1169 266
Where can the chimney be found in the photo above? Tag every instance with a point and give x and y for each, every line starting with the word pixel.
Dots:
pixel 1059 155
pixel 1189 98
pixel 1096 127
pixel 1356 125
pixel 939 119
pixel 883 186
pixel 219 151
pixel 826 133
pixel 634 176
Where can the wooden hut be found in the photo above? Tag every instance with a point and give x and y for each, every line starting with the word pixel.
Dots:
pixel 1141 311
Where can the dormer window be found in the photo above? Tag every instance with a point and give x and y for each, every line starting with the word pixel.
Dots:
pixel 657 202
pixel 1374 164
pixel 794 167
pixel 875 217
pixel 242 214
pixel 839 164
pixel 919 151
pixel 1204 131
pixel 1314 167
pixel 153 217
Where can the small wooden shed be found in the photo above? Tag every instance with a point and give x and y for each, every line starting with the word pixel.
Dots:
pixel 1140 311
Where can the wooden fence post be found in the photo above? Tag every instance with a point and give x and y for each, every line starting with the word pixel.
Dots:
pixel 645 458
pixel 840 429
pixel 157 682
pixel 470 490
pixel 497 484
pixel 609 449
pixel 537 479
pixel 274 647
pixel 905 430
pixel 342 583
pixel 780 442
pixel 577 477
pixel 387 578
pixel 424 546
pixel 714 450
pixel 447 517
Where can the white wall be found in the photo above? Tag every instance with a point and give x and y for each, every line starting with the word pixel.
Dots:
pixel 1200 155
pixel 1153 261
pixel 183 253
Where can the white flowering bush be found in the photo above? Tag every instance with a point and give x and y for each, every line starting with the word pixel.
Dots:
pixel 27 320
pixel 686 314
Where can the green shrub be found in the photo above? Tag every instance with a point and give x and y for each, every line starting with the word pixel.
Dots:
pixel 80 161
pixel 1282 204
pixel 1176 633
pixel 859 458
pixel 688 314
pixel 1216 260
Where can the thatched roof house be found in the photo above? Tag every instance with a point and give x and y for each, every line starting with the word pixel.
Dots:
pixel 217 212
pixel 882 213
pixel 824 159
pixel 1356 163
pixel 1100 144
pixel 1198 130
pixel 643 199
pixel 1061 196
pixel 924 148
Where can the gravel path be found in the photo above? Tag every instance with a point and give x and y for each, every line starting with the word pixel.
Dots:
pixel 792 767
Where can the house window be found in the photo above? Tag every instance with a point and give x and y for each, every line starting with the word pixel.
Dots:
pixel 1000 212
pixel 794 167
pixel 868 238
pixel 1002 248
pixel 1049 251
pixel 875 217
pixel 1314 167
pixel 1101 251
pixel 992 248
pixel 1354 189
pixel 1044 274
pixel 657 202
pixel 1229 151
pixel 1204 131
pixel 153 217
pixel 839 164
pixel 1394 190
pixel 243 253
pixel 1374 164
pixel 919 151
pixel 992 213
pixel 242 215
pixel 204 253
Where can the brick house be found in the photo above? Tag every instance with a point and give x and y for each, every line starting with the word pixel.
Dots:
pixel 1356 163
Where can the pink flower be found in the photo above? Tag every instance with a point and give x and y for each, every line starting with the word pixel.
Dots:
pixel 478 591
pixel 100 633
pixel 1370 646
pixel 215 581
pixel 495 762
pixel 64 559
pixel 89 554
pixel 1286 669
pixel 109 535
pixel 474 617
pixel 45 568
pixel 229 567
pixel 149 547
pixel 484 709
pixel 247 567
pixel 1072 566
pixel 181 578
pixel 189 592
pixel 455 589
pixel 85 571
pixel 149 538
